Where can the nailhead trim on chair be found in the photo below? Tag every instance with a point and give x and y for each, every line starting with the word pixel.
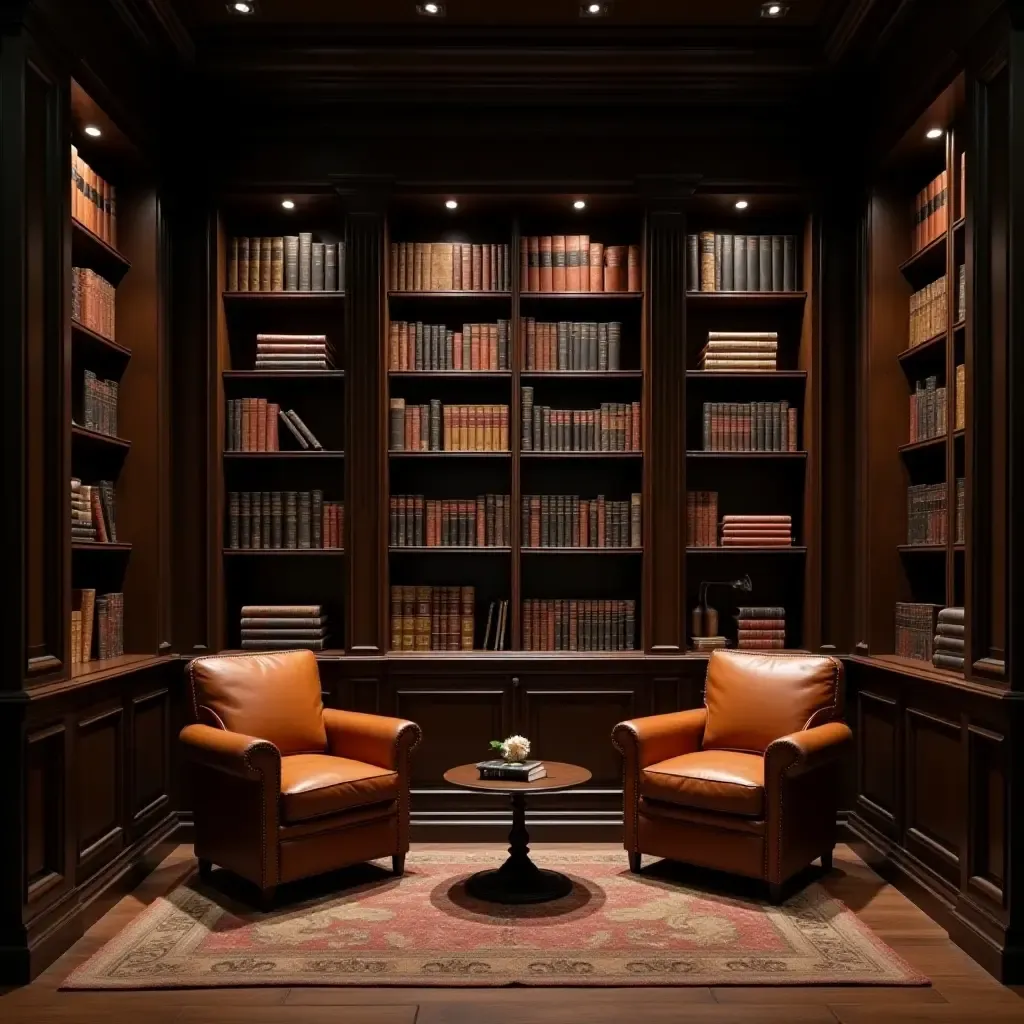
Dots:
pixel 635 798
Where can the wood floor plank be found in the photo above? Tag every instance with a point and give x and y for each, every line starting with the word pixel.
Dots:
pixel 389 1011
pixel 825 994
pixel 1002 1014
pixel 617 1008
pixel 584 1000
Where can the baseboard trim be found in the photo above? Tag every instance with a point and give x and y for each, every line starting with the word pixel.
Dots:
pixel 939 900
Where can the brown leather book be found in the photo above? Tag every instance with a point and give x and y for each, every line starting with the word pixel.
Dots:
pixel 558 248
pixel 477 268
pixel 486 277
pixel 572 263
pixel 524 264
pixel 533 247
pixel 596 267
pixel 633 274
pixel 546 264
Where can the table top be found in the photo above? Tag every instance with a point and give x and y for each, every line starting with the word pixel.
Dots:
pixel 560 776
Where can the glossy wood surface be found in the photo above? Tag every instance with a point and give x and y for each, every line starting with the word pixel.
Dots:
pixel 559 776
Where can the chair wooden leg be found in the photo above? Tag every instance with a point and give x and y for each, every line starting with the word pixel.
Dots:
pixel 775 893
pixel 267 898
pixel 634 862
pixel 205 869
pixel 398 865
pixel 826 861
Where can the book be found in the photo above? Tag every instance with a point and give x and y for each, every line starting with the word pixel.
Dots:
pixel 93 203
pixel 579 625
pixel 576 263
pixel 741 263
pixel 928 312
pixel 93 302
pixel 448 266
pixel 915 629
pixel 526 771
pixel 428 618
pixel 748 426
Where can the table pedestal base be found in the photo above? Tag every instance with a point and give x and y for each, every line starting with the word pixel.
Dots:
pixel 518 880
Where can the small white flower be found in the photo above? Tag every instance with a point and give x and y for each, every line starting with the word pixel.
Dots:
pixel 515 748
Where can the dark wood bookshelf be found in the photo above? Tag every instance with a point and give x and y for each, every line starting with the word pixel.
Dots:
pixel 256 375
pixel 311 454
pixel 929 444
pixel 581 455
pixel 933 348
pixel 928 262
pixel 94 343
pixel 89 248
pixel 451 374
pixel 745 299
pixel 756 375
pixel 437 296
pixel 699 454
pixel 793 549
pixel 96 439
pixel 283 297
pixel 448 455
pixel 448 549
pixel 582 551
pixel 581 374
pixel 921 549
pixel 284 552
pixel 599 296
pixel 97 546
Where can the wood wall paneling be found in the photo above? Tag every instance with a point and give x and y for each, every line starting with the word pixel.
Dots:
pixel 99 792
pixel 45 809
pixel 988 808
pixel 878 737
pixel 149 757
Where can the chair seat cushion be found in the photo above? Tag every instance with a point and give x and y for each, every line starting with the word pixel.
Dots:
pixel 313 785
pixel 724 781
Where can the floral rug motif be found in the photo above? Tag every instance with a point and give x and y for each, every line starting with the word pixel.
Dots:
pixel 614 929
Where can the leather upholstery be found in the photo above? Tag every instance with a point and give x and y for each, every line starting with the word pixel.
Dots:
pixel 749 783
pixel 282 787
pixel 709 780
pixel 313 785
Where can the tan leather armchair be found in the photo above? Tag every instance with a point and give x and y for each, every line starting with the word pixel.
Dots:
pixel 749 783
pixel 283 787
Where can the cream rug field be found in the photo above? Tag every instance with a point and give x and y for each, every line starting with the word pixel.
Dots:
pixel 615 928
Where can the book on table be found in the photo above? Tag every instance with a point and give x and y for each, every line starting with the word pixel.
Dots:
pixel 525 771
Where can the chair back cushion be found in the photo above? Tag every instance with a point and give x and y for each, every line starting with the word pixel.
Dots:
pixel 753 698
pixel 274 696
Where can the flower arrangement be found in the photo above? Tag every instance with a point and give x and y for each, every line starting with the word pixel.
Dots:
pixel 514 750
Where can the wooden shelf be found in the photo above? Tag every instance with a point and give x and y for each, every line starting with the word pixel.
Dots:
pixel 913 667
pixel 285 455
pixel 581 374
pixel 100 546
pixel 87 338
pixel 449 455
pixel 94 437
pixel 279 552
pixel 600 296
pixel 727 299
pixel 582 551
pixel 698 454
pixel 959 225
pixel 449 295
pixel 241 297
pixel 517 654
pixel 930 444
pixel 927 262
pixel 448 549
pixel 283 375
pixel 581 455
pixel 87 247
pixel 921 549
pixel 800 375
pixel 932 348
pixel 451 374
pixel 959 434
pixel 95 669
pixel 960 325
pixel 793 549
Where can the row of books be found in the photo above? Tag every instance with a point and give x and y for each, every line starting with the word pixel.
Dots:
pixel 574 263
pixel 927 410
pixel 288 263
pixel 961 295
pixel 252 427
pixel 931 212
pixel 417 522
pixel 761 628
pixel 93 200
pixel 740 350
pixel 97 624
pixel 99 404
pixel 928 312
pixel 749 427
pixel 926 514
pixel 960 398
pixel 702 519
pixel 419 346
pixel 293 352
pixel 284 627
pixel 948 643
pixel 449 267
pixel 569 521
pixel 613 427
pixel 568 345
pixel 93 303
pixel 757 531
pixel 448 428
pixel 579 625
pixel 741 263
pixel 444 619
pixel 915 629
pixel 960 521
pixel 289 520
pixel 93 511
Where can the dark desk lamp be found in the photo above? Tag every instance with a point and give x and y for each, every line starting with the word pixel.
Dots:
pixel 704 617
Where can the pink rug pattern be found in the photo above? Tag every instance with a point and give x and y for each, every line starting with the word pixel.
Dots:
pixel 614 929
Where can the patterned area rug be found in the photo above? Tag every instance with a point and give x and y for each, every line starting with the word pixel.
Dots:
pixel 615 928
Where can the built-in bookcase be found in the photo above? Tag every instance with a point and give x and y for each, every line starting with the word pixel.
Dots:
pixel 118 244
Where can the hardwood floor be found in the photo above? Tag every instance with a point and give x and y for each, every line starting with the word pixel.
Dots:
pixel 961 991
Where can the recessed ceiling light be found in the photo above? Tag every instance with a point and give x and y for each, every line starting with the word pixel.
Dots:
pixel 742 204
pixel 242 7
pixel 91 129
pixel 934 133
pixel 452 204
pixel 774 10
pixel 579 205
pixel 288 204
pixel 594 10
pixel 430 10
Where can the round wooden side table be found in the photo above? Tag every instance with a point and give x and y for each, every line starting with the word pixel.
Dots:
pixel 519 880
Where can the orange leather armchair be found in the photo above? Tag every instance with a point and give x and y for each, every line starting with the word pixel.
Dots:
pixel 749 783
pixel 285 788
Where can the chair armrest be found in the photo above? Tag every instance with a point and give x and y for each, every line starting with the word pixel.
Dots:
pixel 374 739
pixel 647 741
pixel 807 750
pixel 234 753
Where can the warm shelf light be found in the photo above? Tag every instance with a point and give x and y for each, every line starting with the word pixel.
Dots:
pixel 91 129
pixel 742 204
pixel 452 204
pixel 934 133
pixel 594 10
pixel 288 204
pixel 430 10
pixel 774 10
pixel 242 7
pixel 579 205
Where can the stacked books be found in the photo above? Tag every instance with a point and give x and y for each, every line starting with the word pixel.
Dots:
pixel 83 611
pixel 948 643
pixel 741 263
pixel 93 512
pixel 585 625
pixel 760 628
pixel 571 346
pixel 739 351
pixel 252 426
pixel 961 295
pixel 573 263
pixel 420 346
pixel 931 212
pixel 708 643
pixel 614 427
pixel 435 618
pixel 569 521
pixel 749 427
pixel 961 398
pixel 284 627
pixel 926 514
pixel 757 531
pixel 110 625
pixel 99 404
pixel 449 428
pixel 103 615
pixel 483 522
pixel 93 200
pixel 927 410
pixel 288 263
pixel 92 301
pixel 915 629
pixel 961 523
pixel 290 520
pixel 702 519
pixel 928 312
pixel 449 266
pixel 293 352
pixel 505 771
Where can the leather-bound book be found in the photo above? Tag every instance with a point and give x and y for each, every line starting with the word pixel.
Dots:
pixel 256 518
pixel 765 262
pixel 304 430
pixel 546 263
pixel 777 263
pixel 707 261
pixel 789 263
pixel 305 261
pixel 719 240
pixel 255 258
pixel 739 263
pixel 634 275
pixel 753 263
pixel 276 263
pixel 233 266
pixel 477 268
pixel 558 263
pixel 615 268
pixel 317 267
pixel 244 248
pixel 245 519
pixel 331 267
pixel 293 430
pixel 572 263
pixel 276 520
pixel 727 263
pixel 266 518
pixel 304 520
pixel 486 267
pixel 261 425
pixel 316 513
pixel 291 263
